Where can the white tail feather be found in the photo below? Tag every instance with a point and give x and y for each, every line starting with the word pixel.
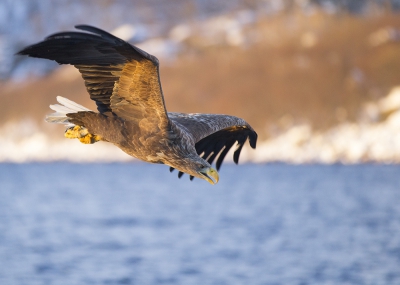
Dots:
pixel 67 106
pixel 71 104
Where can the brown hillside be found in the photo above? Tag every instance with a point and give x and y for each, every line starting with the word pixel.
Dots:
pixel 317 68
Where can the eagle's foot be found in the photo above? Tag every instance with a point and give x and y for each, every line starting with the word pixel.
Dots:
pixel 89 139
pixel 81 133
pixel 76 132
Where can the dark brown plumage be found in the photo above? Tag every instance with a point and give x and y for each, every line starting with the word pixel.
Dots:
pixel 124 82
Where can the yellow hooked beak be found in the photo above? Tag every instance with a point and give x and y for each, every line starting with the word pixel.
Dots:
pixel 210 174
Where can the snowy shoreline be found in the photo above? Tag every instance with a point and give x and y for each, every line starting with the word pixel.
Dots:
pixel 376 138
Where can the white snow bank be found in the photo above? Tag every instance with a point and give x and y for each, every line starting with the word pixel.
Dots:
pixel 375 139
pixel 24 142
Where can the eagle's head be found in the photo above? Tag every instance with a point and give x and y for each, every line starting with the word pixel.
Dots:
pixel 197 167
pixel 206 172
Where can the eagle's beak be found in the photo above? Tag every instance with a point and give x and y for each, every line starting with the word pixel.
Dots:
pixel 210 174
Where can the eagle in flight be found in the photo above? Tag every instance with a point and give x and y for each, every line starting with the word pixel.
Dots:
pixel 124 82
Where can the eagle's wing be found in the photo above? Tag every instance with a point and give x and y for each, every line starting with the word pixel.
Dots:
pixel 121 78
pixel 214 135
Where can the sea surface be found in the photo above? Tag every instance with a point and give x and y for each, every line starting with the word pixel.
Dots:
pixel 134 223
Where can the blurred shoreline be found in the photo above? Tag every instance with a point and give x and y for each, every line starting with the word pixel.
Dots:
pixel 375 139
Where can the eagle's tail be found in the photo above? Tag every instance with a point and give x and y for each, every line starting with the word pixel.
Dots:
pixel 60 117
pixel 67 106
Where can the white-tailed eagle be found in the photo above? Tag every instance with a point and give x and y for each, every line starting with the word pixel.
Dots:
pixel 124 82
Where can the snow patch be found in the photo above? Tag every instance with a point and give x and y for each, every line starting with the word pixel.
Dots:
pixel 376 138
pixel 24 142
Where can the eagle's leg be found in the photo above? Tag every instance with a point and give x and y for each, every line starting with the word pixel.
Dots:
pixel 81 133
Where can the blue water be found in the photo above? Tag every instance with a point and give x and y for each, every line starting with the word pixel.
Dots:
pixel 136 223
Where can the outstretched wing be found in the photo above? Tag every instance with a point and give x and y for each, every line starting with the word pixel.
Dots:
pixel 214 135
pixel 122 79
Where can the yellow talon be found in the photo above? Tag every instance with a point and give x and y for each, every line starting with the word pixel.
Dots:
pixel 96 138
pixel 72 132
pixel 90 139
pixel 81 133
pixel 86 139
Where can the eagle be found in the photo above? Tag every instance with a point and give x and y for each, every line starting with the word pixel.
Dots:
pixel 124 82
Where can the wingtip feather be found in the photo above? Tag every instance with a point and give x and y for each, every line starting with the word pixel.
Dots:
pixel 253 139
pixel 236 154
pixel 97 31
